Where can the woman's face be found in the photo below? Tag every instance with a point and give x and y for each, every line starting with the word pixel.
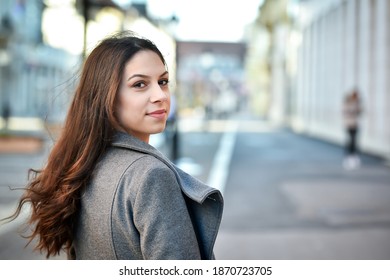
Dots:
pixel 143 97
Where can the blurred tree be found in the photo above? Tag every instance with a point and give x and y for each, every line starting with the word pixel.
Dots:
pixel 272 13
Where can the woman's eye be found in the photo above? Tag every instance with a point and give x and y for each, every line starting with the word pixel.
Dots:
pixel 163 82
pixel 139 85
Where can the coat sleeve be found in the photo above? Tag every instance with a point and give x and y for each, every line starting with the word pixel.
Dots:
pixel 162 219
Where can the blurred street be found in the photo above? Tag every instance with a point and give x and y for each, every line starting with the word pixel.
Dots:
pixel 286 66
pixel 287 196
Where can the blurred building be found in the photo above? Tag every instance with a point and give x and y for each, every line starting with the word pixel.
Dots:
pixel 304 56
pixel 342 45
pixel 211 77
pixel 32 73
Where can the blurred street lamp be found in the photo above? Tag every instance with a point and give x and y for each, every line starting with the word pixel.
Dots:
pixel 172 124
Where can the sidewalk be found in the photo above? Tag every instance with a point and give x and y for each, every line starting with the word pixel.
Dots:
pixel 24 135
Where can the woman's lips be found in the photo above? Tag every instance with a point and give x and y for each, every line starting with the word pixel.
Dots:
pixel 158 114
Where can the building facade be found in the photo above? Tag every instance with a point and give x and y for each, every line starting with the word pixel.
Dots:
pixel 342 45
pixel 33 75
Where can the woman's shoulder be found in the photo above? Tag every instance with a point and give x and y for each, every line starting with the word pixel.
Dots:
pixel 148 175
pixel 121 163
pixel 136 173
pixel 148 163
pixel 136 164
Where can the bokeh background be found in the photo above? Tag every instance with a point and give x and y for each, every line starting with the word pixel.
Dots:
pixel 258 89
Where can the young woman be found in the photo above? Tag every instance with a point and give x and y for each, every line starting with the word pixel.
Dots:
pixel 352 110
pixel 105 193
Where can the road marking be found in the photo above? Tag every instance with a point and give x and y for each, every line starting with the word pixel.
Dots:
pixel 189 166
pixel 220 168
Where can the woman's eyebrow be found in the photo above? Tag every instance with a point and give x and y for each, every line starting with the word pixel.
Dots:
pixel 166 72
pixel 137 76
pixel 144 76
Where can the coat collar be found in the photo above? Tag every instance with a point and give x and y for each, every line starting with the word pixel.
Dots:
pixel 192 187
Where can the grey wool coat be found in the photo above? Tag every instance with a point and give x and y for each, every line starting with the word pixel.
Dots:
pixel 139 205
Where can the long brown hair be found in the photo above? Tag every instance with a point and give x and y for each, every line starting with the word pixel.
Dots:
pixel 55 190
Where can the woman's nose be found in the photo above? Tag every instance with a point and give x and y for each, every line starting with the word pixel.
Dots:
pixel 158 94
